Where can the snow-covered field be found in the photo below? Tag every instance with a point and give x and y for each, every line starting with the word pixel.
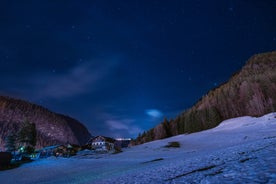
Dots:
pixel 240 150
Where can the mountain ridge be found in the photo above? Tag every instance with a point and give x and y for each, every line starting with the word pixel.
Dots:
pixel 52 128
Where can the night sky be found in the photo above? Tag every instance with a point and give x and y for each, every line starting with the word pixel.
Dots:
pixel 119 66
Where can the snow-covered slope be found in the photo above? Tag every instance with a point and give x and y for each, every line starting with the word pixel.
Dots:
pixel 240 150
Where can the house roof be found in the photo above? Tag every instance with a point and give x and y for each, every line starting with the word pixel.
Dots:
pixel 49 147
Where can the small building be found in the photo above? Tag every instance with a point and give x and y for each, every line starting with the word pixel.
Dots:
pixel 101 143
pixel 123 142
pixel 58 150
pixel 47 151
pixel 66 150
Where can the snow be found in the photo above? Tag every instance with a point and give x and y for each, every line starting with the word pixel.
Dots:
pixel 239 150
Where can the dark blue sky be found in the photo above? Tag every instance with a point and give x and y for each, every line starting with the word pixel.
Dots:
pixel 120 67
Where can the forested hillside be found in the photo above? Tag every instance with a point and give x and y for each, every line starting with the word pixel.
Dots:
pixel 52 128
pixel 251 91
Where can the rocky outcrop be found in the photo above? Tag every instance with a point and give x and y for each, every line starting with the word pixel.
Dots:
pixel 52 128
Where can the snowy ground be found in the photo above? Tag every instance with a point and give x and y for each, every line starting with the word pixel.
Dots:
pixel 240 150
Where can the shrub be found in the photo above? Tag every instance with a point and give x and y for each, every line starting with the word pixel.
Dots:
pixel 173 145
pixel 117 149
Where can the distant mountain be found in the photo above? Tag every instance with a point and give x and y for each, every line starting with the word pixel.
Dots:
pixel 52 128
pixel 251 91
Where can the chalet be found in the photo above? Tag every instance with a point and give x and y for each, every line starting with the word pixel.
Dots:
pixel 101 143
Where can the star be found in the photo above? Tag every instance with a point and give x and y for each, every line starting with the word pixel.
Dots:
pixel 133 55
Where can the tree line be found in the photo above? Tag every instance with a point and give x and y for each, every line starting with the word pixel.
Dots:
pixel 249 92
pixel 192 120
pixel 24 140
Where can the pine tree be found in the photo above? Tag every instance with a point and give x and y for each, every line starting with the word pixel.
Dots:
pixel 10 143
pixel 166 126
pixel 27 137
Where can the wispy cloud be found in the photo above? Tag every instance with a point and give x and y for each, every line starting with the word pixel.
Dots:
pixel 154 113
pixel 122 127
pixel 117 124
pixel 78 80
